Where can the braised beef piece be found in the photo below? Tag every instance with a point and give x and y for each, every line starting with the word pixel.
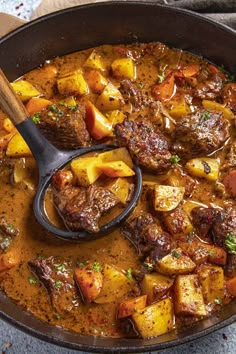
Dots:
pixel 147 236
pixel 225 224
pixel 64 126
pixel 200 133
pixel 203 220
pixel 230 159
pixel 229 96
pixel 147 146
pixel 57 278
pixel 81 208
pixel 7 234
pixel 210 87
pixel 132 94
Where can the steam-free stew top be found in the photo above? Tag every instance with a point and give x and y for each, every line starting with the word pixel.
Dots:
pixel 173 262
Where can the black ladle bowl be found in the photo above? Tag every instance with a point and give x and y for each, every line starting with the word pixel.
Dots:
pixel 50 159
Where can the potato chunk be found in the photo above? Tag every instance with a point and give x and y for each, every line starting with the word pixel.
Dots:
pixel 120 187
pixel 86 170
pixel 179 108
pixel 155 285
pixel 204 167
pixel 73 83
pixel 167 198
pixel 8 260
pixel 115 285
pixel 115 169
pixel 155 319
pixel 215 106
pixel 120 154
pixel 212 282
pixel 124 68
pixel 17 147
pixel 94 61
pixel 175 263
pixel 110 98
pixel 128 307
pixel 24 89
pixel 96 81
pixel 188 296
pixel 89 282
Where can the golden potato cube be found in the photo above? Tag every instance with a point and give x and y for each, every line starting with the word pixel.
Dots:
pixel 120 154
pixel 73 83
pixel 155 285
pixel 212 281
pixel 215 106
pixel 179 108
pixel 189 205
pixel 17 147
pixel 204 167
pixel 24 89
pixel 127 307
pixel 188 296
pixel 96 81
pixel 115 169
pixel 89 282
pixel 86 170
pixel 121 188
pixel 167 198
pixel 115 285
pixel 183 226
pixel 124 68
pixel 155 319
pixel 115 117
pixel 94 61
pixel 175 263
pixel 69 101
pixel 110 98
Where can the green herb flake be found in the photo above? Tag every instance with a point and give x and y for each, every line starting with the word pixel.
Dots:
pixel 211 253
pixel 174 159
pixel 175 254
pixel 60 267
pixel 11 227
pixel 81 265
pixel 218 301
pixel 59 317
pixel 73 108
pixel 57 284
pixel 230 243
pixel 149 266
pixel 205 115
pixel 97 267
pixel 32 280
pixel 129 273
pixel 53 108
pixel 36 118
pixel 141 85
pixel 230 78
pixel 161 77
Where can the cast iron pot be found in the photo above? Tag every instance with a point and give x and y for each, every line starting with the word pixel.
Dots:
pixel 111 23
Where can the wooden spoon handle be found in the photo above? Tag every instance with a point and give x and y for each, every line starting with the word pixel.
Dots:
pixel 10 103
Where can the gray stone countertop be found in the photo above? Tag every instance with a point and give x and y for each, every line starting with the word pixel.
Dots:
pixel 13 341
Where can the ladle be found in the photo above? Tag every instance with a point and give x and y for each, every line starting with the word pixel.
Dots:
pixel 50 159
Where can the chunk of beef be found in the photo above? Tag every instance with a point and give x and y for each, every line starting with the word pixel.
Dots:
pixel 147 236
pixel 230 159
pixel 203 220
pixel 201 133
pixel 64 126
pixel 81 208
pixel 209 88
pixel 229 96
pixel 7 234
pixel 225 223
pixel 132 94
pixel 147 146
pixel 57 278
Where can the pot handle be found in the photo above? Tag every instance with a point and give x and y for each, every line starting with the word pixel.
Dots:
pixel 9 23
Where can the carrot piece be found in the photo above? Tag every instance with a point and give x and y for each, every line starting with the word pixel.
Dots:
pixel 130 306
pixel 191 70
pixel 36 104
pixel 96 81
pixel 231 286
pixel 230 183
pixel 166 90
pixel 97 124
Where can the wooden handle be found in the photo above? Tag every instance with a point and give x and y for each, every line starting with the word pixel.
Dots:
pixel 10 103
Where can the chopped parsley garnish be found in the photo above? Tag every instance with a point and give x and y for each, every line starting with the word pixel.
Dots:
pixel 141 85
pixel 32 280
pixel 211 253
pixel 176 254
pixel 230 242
pixel 129 273
pixel 149 266
pixel 11 228
pixel 174 159
pixel 230 78
pixel 97 267
pixel 73 108
pixel 81 265
pixel 161 77
pixel 53 108
pixel 58 284
pixel 205 115
pixel 60 267
pixel 190 236
pixel 36 118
